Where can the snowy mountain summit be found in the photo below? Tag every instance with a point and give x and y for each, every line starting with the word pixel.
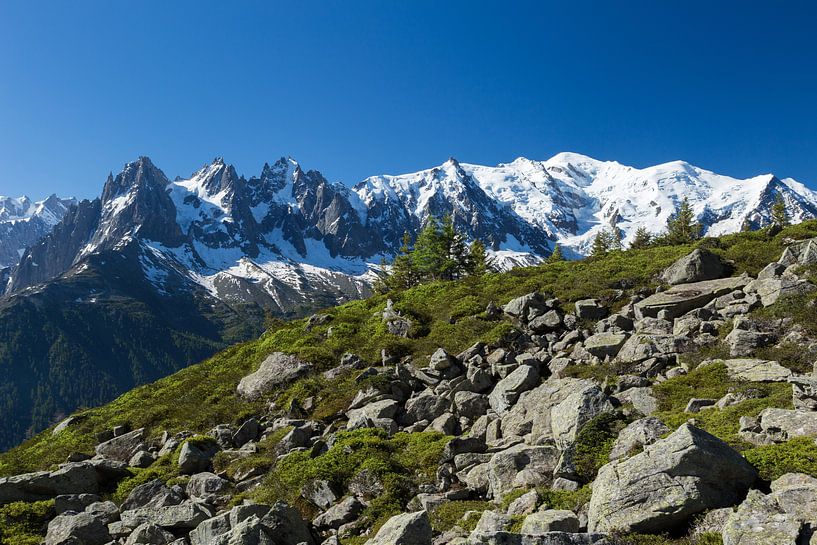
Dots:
pixel 290 241
pixel 23 222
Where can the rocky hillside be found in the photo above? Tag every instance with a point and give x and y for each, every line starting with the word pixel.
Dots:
pixel 655 396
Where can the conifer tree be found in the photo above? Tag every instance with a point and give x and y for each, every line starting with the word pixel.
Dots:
pixel 428 257
pixel 556 255
pixel 780 216
pixel 642 239
pixel 602 243
pixel 681 226
pixel 454 249
pixel 478 262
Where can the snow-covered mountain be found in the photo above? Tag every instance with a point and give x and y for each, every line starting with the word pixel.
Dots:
pixel 24 222
pixel 289 240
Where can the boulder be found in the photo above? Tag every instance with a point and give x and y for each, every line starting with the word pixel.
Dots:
pixel 154 494
pixel 532 413
pixel 698 265
pixel 755 370
pixel 779 425
pixel 770 290
pixel 277 369
pixel 248 431
pixel 74 502
pixel 549 321
pixel 524 504
pixel 641 398
pixel 405 529
pixel 604 345
pixel 760 521
pixel 590 309
pixel 507 390
pixel 123 447
pixel 520 307
pixel 77 529
pixel 186 515
pixel 149 534
pixel 87 477
pixel 804 392
pixel 340 514
pixel 207 487
pixel 744 343
pixel 426 406
pixel 569 417
pixel 551 520
pixel 662 487
pixel 680 299
pixel 196 456
pixel 521 466
pixel 633 438
pixel 319 493
pixel 470 404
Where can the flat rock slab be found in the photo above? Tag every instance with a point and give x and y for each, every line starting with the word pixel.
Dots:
pixel 680 299
pixel 754 370
pixel 276 370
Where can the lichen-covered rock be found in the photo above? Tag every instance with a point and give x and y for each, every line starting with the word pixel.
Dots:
pixel 550 520
pixel 698 265
pixel 760 521
pixel 569 417
pixel 672 479
pixel 508 390
pixel 73 478
pixel 277 369
pixel 604 345
pixel 521 466
pixel 80 528
pixel 405 529
pixel 633 438
pixel 755 370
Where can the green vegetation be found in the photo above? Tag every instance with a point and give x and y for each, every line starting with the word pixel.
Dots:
pixel 712 381
pixel 798 455
pixel 449 514
pixel 439 253
pixel 24 523
pixel 399 463
pixel 708 538
pixel 594 443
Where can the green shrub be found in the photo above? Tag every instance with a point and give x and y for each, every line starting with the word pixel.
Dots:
pixel 798 455
pixel 594 443
pixel 446 515
pixel 24 523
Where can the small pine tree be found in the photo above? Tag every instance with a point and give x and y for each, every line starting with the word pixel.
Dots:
pixel 642 239
pixel 401 274
pixel 602 243
pixel 681 226
pixel 454 249
pixel 429 255
pixel 780 216
pixel 556 256
pixel 478 262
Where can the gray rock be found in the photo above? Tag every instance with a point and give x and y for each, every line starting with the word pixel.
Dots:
pixel 551 520
pixel 142 459
pixel 106 511
pixel 405 529
pixel 760 521
pixel 470 404
pixel 520 307
pixel 74 502
pixel 672 479
pixel 153 494
pixel 521 466
pixel 87 477
pixel 680 299
pixel 755 370
pixel 640 398
pixel 208 487
pixel 804 392
pixel 697 403
pixel 123 447
pixel 277 369
pixel 196 457
pixel 744 343
pixel 633 438
pixel 286 525
pixel 319 492
pixel 604 345
pixel 576 410
pixel 446 424
pixel 532 413
pixel 250 430
pixel 77 529
pixel 549 321
pixel 700 264
pixel 524 504
pixel 590 309
pixel 186 515
pixel 770 290
pixel 780 425
pixel 426 406
pixel 507 390
pixel 149 534
pixel 340 514
pixel 440 360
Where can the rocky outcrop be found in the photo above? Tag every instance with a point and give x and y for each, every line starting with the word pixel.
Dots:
pixel 672 479
pixel 696 266
pixel 278 368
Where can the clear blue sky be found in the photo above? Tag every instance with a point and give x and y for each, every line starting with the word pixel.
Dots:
pixel 354 88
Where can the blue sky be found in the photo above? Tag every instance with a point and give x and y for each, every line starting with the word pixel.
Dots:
pixel 356 88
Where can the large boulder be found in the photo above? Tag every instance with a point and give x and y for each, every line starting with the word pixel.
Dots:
pixel 87 477
pixel 759 520
pixel 154 494
pixel 196 456
pixel 804 392
pixel 638 434
pixel 123 447
pixel 698 265
pixel 277 369
pixel 405 529
pixel 79 528
pixel 755 370
pixel 771 290
pixel 508 390
pixel 662 487
pixel 521 466
pixel 680 299
pixel 606 344
pixel 532 413
pixel 774 425
pixel 186 515
pixel 569 417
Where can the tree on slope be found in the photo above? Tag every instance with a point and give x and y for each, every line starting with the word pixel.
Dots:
pixel 642 239
pixel 780 216
pixel 681 226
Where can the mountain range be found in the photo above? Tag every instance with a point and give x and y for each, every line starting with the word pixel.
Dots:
pixel 104 294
